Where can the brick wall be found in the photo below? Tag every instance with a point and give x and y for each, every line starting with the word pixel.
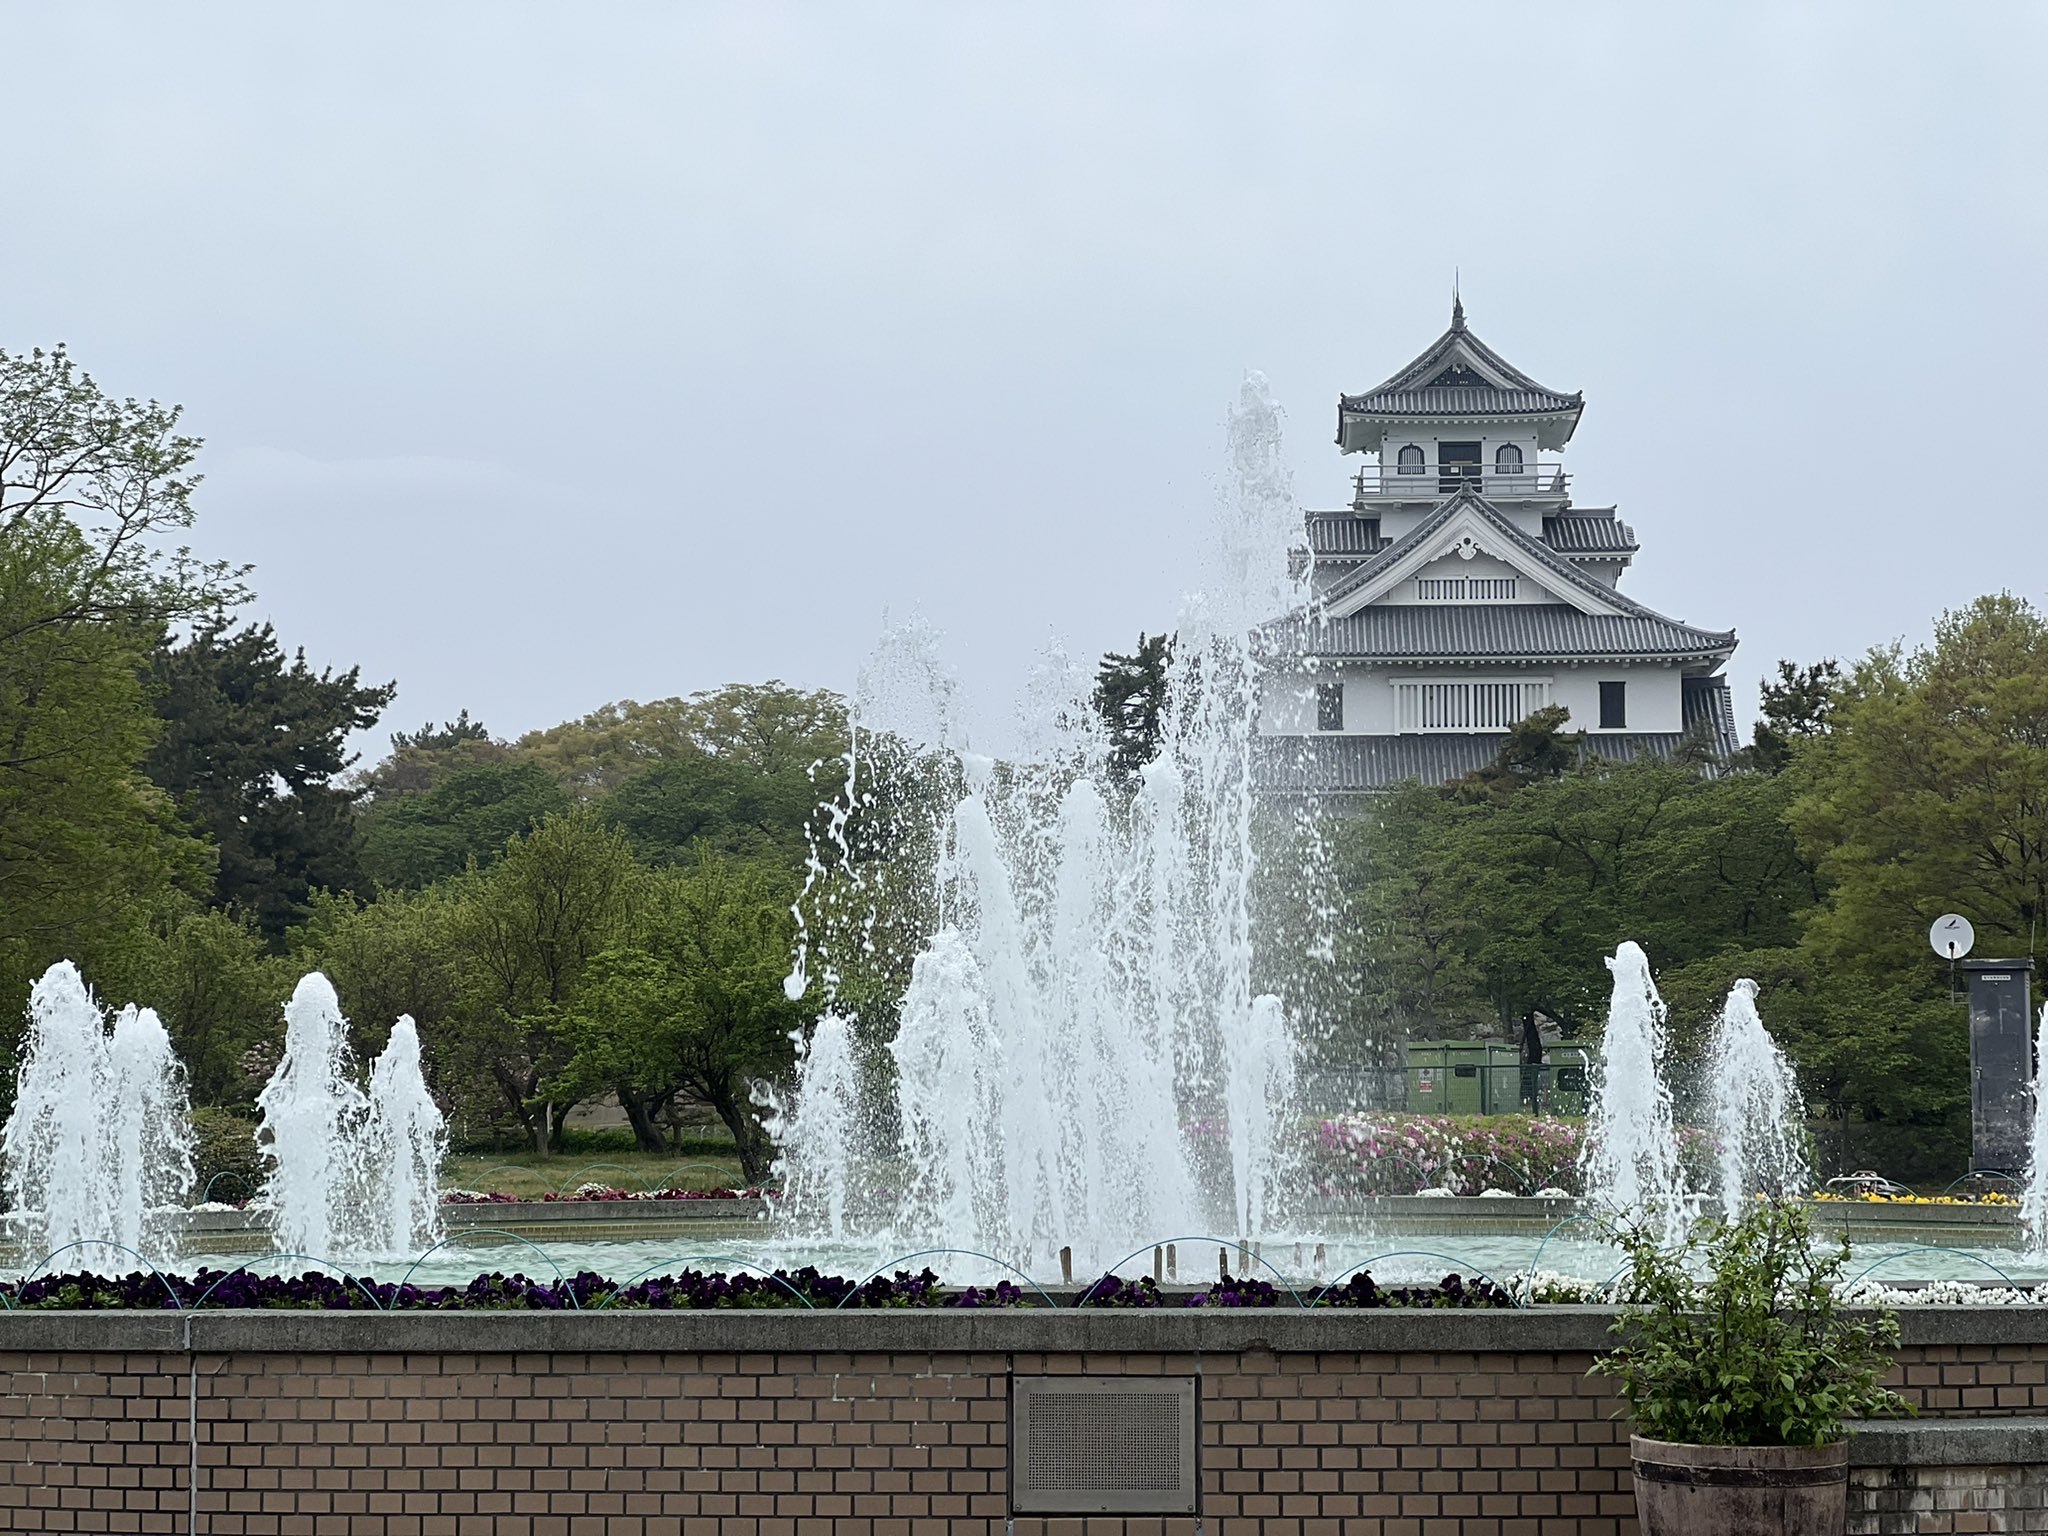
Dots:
pixel 298 1423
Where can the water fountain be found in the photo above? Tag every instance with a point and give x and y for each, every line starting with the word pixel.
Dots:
pixel 354 1175
pixel 404 1139
pixel 2034 1194
pixel 1631 1163
pixel 1758 1114
pixel 1081 1059
pixel 98 1146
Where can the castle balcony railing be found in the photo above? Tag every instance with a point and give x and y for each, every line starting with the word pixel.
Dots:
pixel 1427 482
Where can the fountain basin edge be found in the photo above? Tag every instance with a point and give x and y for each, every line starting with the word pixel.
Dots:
pixel 1559 1329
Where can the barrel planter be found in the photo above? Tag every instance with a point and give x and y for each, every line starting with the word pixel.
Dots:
pixel 1740 1490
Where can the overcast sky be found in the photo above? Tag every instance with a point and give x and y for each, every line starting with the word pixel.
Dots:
pixel 554 355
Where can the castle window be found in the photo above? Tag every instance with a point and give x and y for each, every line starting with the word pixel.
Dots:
pixel 1507 460
pixel 1614 706
pixel 1464 589
pixel 1485 705
pixel 1410 460
pixel 1329 706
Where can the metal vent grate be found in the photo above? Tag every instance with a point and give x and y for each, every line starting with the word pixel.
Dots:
pixel 1103 1444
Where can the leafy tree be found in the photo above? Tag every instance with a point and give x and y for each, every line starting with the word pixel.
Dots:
pixel 1796 708
pixel 770 727
pixel 693 1005
pixel 419 760
pixel 94 494
pixel 1930 792
pixel 1536 749
pixel 251 745
pixel 723 803
pixel 469 816
pixel 526 932
pixel 1131 697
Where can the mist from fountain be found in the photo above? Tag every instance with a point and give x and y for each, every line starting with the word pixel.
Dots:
pixel 1758 1114
pixel 1630 1165
pixel 99 1144
pixel 2034 1193
pixel 1081 1059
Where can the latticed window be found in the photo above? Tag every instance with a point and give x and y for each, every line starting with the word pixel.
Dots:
pixel 1507 459
pixel 1411 460
pixel 1464 589
pixel 1482 704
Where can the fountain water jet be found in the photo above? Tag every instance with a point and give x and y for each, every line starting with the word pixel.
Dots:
pixel 405 1137
pixel 1630 1163
pixel 99 1143
pixel 1758 1114
pixel 1081 1057
pixel 354 1175
pixel 2034 1195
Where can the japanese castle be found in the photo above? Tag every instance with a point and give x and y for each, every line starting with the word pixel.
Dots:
pixel 1463 590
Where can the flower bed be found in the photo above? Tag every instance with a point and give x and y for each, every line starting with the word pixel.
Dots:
pixel 1391 1154
pixel 243 1289
pixel 1358 1290
pixel 597 1192
pixel 1872 1197
pixel 325 1291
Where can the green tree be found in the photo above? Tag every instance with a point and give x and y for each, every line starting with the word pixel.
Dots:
pixel 95 493
pixel 722 803
pixel 693 1004
pixel 251 745
pixel 419 760
pixel 1794 709
pixel 769 727
pixel 526 931
pixel 469 816
pixel 1131 698
pixel 1930 792
pixel 1536 749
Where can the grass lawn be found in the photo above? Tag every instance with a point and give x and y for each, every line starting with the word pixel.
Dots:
pixel 525 1173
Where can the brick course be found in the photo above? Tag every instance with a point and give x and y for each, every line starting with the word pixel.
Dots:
pixel 642 1441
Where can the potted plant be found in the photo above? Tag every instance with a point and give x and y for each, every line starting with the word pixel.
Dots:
pixel 1740 1365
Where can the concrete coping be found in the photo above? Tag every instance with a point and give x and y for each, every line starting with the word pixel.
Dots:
pixel 1280 1330
pixel 1948 1443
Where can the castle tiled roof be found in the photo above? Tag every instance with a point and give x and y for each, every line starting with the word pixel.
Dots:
pixel 1537 552
pixel 1578 534
pixel 1440 383
pixel 1504 631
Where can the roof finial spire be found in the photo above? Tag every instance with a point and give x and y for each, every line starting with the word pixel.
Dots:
pixel 1457 304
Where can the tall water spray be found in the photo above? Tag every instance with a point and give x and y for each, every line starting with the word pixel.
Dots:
pixel 1080 1058
pixel 1759 1116
pixel 354 1175
pixel 311 1111
pixel 99 1145
pixel 405 1137
pixel 1631 1163
pixel 2034 1195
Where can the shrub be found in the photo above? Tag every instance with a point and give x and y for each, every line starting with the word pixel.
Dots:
pixel 1757 1351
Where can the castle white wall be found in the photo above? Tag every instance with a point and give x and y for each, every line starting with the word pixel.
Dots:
pixel 1288 700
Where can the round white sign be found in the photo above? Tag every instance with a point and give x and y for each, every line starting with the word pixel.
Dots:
pixel 1951 936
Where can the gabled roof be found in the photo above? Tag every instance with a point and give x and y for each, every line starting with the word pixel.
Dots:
pixel 1590 619
pixel 1467 514
pixel 1456 375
